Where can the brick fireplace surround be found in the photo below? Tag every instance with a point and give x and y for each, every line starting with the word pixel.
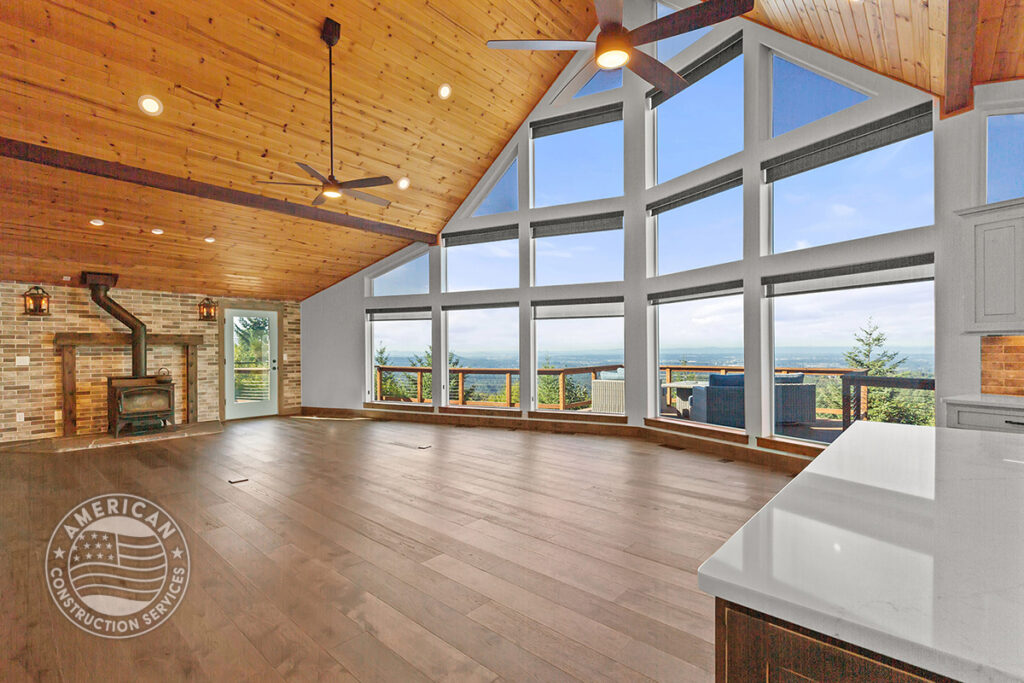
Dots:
pixel 35 389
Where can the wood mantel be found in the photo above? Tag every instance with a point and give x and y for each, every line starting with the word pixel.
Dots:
pixel 67 343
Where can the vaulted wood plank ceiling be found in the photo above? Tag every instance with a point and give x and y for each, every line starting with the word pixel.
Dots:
pixel 244 89
pixel 243 83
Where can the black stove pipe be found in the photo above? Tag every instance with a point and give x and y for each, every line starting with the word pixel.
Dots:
pixel 99 284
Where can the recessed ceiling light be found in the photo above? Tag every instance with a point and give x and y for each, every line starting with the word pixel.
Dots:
pixel 66 278
pixel 444 91
pixel 210 240
pixel 404 183
pixel 97 222
pixel 151 105
pixel 157 231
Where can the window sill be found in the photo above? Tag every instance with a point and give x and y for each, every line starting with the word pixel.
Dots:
pixel 577 416
pixel 704 430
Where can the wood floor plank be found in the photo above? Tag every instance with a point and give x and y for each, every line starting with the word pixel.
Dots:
pixel 351 554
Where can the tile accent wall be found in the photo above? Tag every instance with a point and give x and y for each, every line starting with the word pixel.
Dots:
pixel 34 389
pixel 1002 365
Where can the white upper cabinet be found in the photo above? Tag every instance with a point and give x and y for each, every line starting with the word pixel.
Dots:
pixel 995 300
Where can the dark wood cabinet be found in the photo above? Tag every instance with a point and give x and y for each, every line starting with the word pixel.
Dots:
pixel 751 646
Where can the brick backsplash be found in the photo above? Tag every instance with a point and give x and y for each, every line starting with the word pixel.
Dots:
pixel 1002 365
pixel 35 389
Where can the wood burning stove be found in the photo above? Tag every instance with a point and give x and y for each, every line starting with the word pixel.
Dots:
pixel 139 404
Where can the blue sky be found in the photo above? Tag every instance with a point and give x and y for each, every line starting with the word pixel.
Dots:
pixel 1005 151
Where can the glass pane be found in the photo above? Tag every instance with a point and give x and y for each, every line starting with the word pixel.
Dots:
pixel 578 165
pixel 602 81
pixel 401 360
pixel 670 47
pixel 491 265
pixel 409 278
pixel 483 357
pixel 580 365
pixel 887 189
pixel 1005 157
pixel 698 339
pixel 702 233
pixel 887 331
pixel 504 196
pixel 586 257
pixel 800 96
pixel 702 124
pixel 252 359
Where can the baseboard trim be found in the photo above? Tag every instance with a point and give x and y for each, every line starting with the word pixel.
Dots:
pixel 790 464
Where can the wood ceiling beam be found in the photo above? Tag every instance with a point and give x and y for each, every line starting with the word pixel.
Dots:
pixel 960 36
pixel 25 151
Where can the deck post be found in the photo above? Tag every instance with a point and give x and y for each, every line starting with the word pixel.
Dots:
pixel 462 396
pixel 561 390
pixel 378 373
pixel 419 387
pixel 508 389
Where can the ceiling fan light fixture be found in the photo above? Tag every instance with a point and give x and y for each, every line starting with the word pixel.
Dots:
pixel 332 192
pixel 96 221
pixel 404 183
pixel 444 91
pixel 613 49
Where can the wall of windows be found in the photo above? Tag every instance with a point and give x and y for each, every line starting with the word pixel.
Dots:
pixel 648 206
pixel 400 355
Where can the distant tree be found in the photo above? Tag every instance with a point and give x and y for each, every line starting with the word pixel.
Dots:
pixel 427 361
pixel 884 405
pixel 389 385
pixel 252 339
pixel 547 388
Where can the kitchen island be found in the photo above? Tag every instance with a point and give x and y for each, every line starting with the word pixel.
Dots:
pixel 896 555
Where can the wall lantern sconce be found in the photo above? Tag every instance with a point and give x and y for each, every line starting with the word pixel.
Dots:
pixel 37 302
pixel 207 309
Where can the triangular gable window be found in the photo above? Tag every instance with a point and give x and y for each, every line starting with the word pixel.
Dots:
pixel 504 196
pixel 670 47
pixel 601 82
pixel 800 96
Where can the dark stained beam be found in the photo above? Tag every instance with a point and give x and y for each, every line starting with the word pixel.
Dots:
pixel 960 37
pixel 25 151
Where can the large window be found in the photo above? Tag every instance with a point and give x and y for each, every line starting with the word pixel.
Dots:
pixel 703 123
pixel 588 249
pixel 409 278
pixel 833 192
pixel 578 157
pixel 700 227
pixel 400 359
pixel 483 357
pixel 504 196
pixel 1005 157
pixel 800 96
pixel 700 356
pixel 580 356
pixel 482 259
pixel 877 339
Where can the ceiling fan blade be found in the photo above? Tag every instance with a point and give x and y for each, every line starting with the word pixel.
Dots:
pixel 582 77
pixel 311 171
pixel 656 73
pixel 609 12
pixel 376 181
pixel 356 194
pixel 320 199
pixel 274 182
pixel 700 15
pixel 540 44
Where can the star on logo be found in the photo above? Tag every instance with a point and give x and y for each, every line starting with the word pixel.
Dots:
pixel 87 545
pixel 105 537
pixel 94 536
pixel 76 558
pixel 177 553
pixel 59 552
pixel 108 546
pixel 88 556
pixel 110 557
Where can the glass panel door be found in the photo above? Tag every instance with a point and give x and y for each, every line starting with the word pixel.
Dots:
pixel 250 363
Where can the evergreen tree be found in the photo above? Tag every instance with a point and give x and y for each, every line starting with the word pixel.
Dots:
pixel 389 385
pixel 427 361
pixel 547 388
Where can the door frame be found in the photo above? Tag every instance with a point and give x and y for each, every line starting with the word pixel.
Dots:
pixel 248 305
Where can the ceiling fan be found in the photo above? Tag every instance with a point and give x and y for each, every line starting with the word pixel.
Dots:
pixel 331 187
pixel 615 46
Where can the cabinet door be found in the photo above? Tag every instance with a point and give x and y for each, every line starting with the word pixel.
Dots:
pixel 998 276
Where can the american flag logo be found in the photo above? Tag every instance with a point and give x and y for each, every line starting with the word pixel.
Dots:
pixel 114 565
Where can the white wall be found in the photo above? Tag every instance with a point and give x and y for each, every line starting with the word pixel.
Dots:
pixel 335 351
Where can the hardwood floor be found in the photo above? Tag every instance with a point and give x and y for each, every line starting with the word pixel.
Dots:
pixel 392 551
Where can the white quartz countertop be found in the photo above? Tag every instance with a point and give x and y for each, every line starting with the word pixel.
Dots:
pixel 908 541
